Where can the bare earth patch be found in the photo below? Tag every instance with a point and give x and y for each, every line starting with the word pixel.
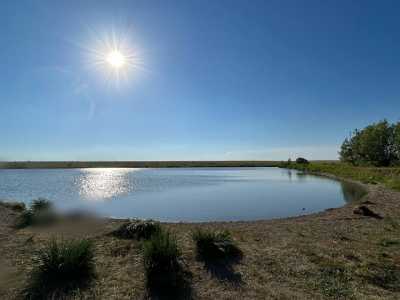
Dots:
pixel 336 254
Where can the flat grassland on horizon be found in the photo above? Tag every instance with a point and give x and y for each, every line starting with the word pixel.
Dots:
pixel 135 164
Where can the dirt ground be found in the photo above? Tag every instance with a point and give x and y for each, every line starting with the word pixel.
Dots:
pixel 335 254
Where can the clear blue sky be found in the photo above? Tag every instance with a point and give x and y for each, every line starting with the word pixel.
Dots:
pixel 223 79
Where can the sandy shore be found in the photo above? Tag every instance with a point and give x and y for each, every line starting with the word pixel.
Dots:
pixel 333 254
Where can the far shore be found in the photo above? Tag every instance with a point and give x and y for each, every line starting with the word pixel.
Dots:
pixel 138 164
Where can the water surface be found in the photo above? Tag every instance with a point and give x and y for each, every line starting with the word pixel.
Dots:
pixel 180 194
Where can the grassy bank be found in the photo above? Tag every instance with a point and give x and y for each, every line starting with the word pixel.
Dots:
pixel 389 177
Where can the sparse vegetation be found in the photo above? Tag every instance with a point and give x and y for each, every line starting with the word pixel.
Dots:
pixel 214 245
pixel 138 229
pixel 61 267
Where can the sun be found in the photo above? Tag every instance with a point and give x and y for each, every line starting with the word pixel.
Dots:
pixel 114 55
pixel 116 59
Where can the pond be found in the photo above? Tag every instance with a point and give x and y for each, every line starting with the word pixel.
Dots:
pixel 180 194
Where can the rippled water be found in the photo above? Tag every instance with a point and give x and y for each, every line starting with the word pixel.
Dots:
pixel 180 194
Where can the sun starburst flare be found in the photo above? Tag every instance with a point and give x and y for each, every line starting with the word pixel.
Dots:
pixel 114 56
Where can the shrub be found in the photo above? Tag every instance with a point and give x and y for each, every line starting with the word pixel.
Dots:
pixel 40 213
pixel 61 267
pixel 301 160
pixel 214 245
pixel 25 219
pixel 40 204
pixel 16 206
pixel 138 229
pixel 385 275
pixel 29 218
pixel 161 260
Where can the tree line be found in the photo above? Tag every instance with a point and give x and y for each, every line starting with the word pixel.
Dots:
pixel 377 144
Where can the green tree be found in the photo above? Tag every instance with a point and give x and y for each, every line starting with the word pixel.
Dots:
pixel 349 151
pixel 346 152
pixel 375 145
pixel 396 142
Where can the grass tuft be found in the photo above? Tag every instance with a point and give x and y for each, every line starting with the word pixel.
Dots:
pixel 214 245
pixel 25 219
pixel 384 274
pixel 15 206
pixel 61 267
pixel 389 242
pixel 40 213
pixel 161 260
pixel 40 204
pixel 334 281
pixel 333 278
pixel 138 229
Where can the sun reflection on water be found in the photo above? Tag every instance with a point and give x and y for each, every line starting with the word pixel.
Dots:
pixel 104 183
